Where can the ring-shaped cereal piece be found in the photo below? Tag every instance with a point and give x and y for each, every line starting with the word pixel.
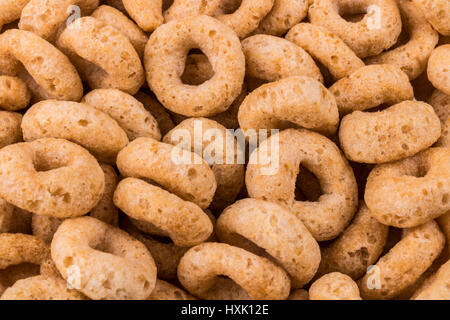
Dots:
pixel 412 191
pixel 412 56
pixel 165 57
pixel 437 288
pixel 10 131
pixel 272 172
pixel 201 265
pixel 10 10
pixel 277 231
pixel 146 13
pixel 180 9
pixel 325 47
pixel 404 263
pixel 102 261
pixel 377 31
pixel 371 86
pixel 294 101
pixel 17 248
pixel 438 68
pixel 51 177
pixel 166 291
pixel 397 132
pixel 14 93
pixel 271 58
pixel 77 122
pixel 103 54
pixel 437 13
pixel 334 286
pixel 53 74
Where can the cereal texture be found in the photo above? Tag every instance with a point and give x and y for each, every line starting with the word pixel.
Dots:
pixel 334 286
pixel 438 68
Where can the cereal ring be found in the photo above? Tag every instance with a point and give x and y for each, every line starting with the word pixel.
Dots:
pixel 412 191
pixel 52 74
pixel 165 123
pixel 378 29
pixel 129 113
pixel 77 122
pixel 437 13
pixel 180 9
pixel 165 56
pixel 105 57
pixel 404 263
pixel 10 131
pixel 325 218
pixel 371 86
pixel 277 231
pixel 200 266
pixel 412 56
pixel 438 68
pixel 398 132
pixel 441 105
pixel 166 291
pixel 325 47
pixel 102 261
pixel 334 286
pixel 294 101
pixel 146 13
pixel 181 172
pixel 299 294
pixel 14 94
pixel 10 10
pixel 51 177
pixel 17 248
pixel 437 288
pixel 271 58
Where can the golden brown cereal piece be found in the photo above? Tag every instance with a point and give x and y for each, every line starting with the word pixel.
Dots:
pixel 129 113
pixel 404 263
pixel 294 101
pixel 441 105
pixel 51 72
pixel 146 13
pixel 104 56
pixel 378 29
pixel 158 112
pixel 201 265
pixel 271 58
pixel 358 247
pixel 77 122
pixel 10 10
pixel 395 133
pixel 17 248
pixel 412 56
pixel 165 57
pixel 10 131
pixel 438 68
pixel 277 231
pixel 14 94
pixel 371 86
pixel 102 261
pixel 437 13
pixel 325 47
pixel 299 294
pixel 412 191
pixel 13 220
pixel 272 172
pixel 334 286
pixel 166 291
pixel 51 177
pixel 438 287
pixel 219 148
pixel 181 172
pixel 181 9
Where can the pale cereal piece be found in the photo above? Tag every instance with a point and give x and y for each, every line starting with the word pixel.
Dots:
pixel 52 73
pixel 272 172
pixel 439 68
pixel 14 94
pixel 166 291
pixel 77 122
pixel 325 47
pixel 438 288
pixel 404 263
pixel 103 55
pixel 17 248
pixel 412 56
pixel 165 57
pixel 371 86
pixel 200 267
pixel 165 123
pixel 395 133
pixel 437 13
pixel 181 9
pixel 441 105
pixel 334 286
pixel 299 294
pixel 101 261
pixel 10 131
pixel 10 10
pixel 146 13
pixel 51 177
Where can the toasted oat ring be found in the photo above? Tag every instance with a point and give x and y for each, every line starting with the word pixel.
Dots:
pixel 377 31
pixel 180 9
pixel 371 86
pixel 104 55
pixel 10 131
pixel 165 57
pixel 102 261
pixel 437 13
pixel 146 13
pixel 260 278
pixel 77 122
pixel 53 76
pixel 166 291
pixel 51 177
pixel 438 68
pixel 299 101
pixel 165 164
pixel 17 248
pixel 272 171
pixel 44 17
pixel 10 10
pixel 404 263
pixel 398 132
pixel 129 113
pixel 271 58
pixel 277 231
pixel 412 191
pixel 437 288
pixel 14 94
pixel 326 47
pixel 334 286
